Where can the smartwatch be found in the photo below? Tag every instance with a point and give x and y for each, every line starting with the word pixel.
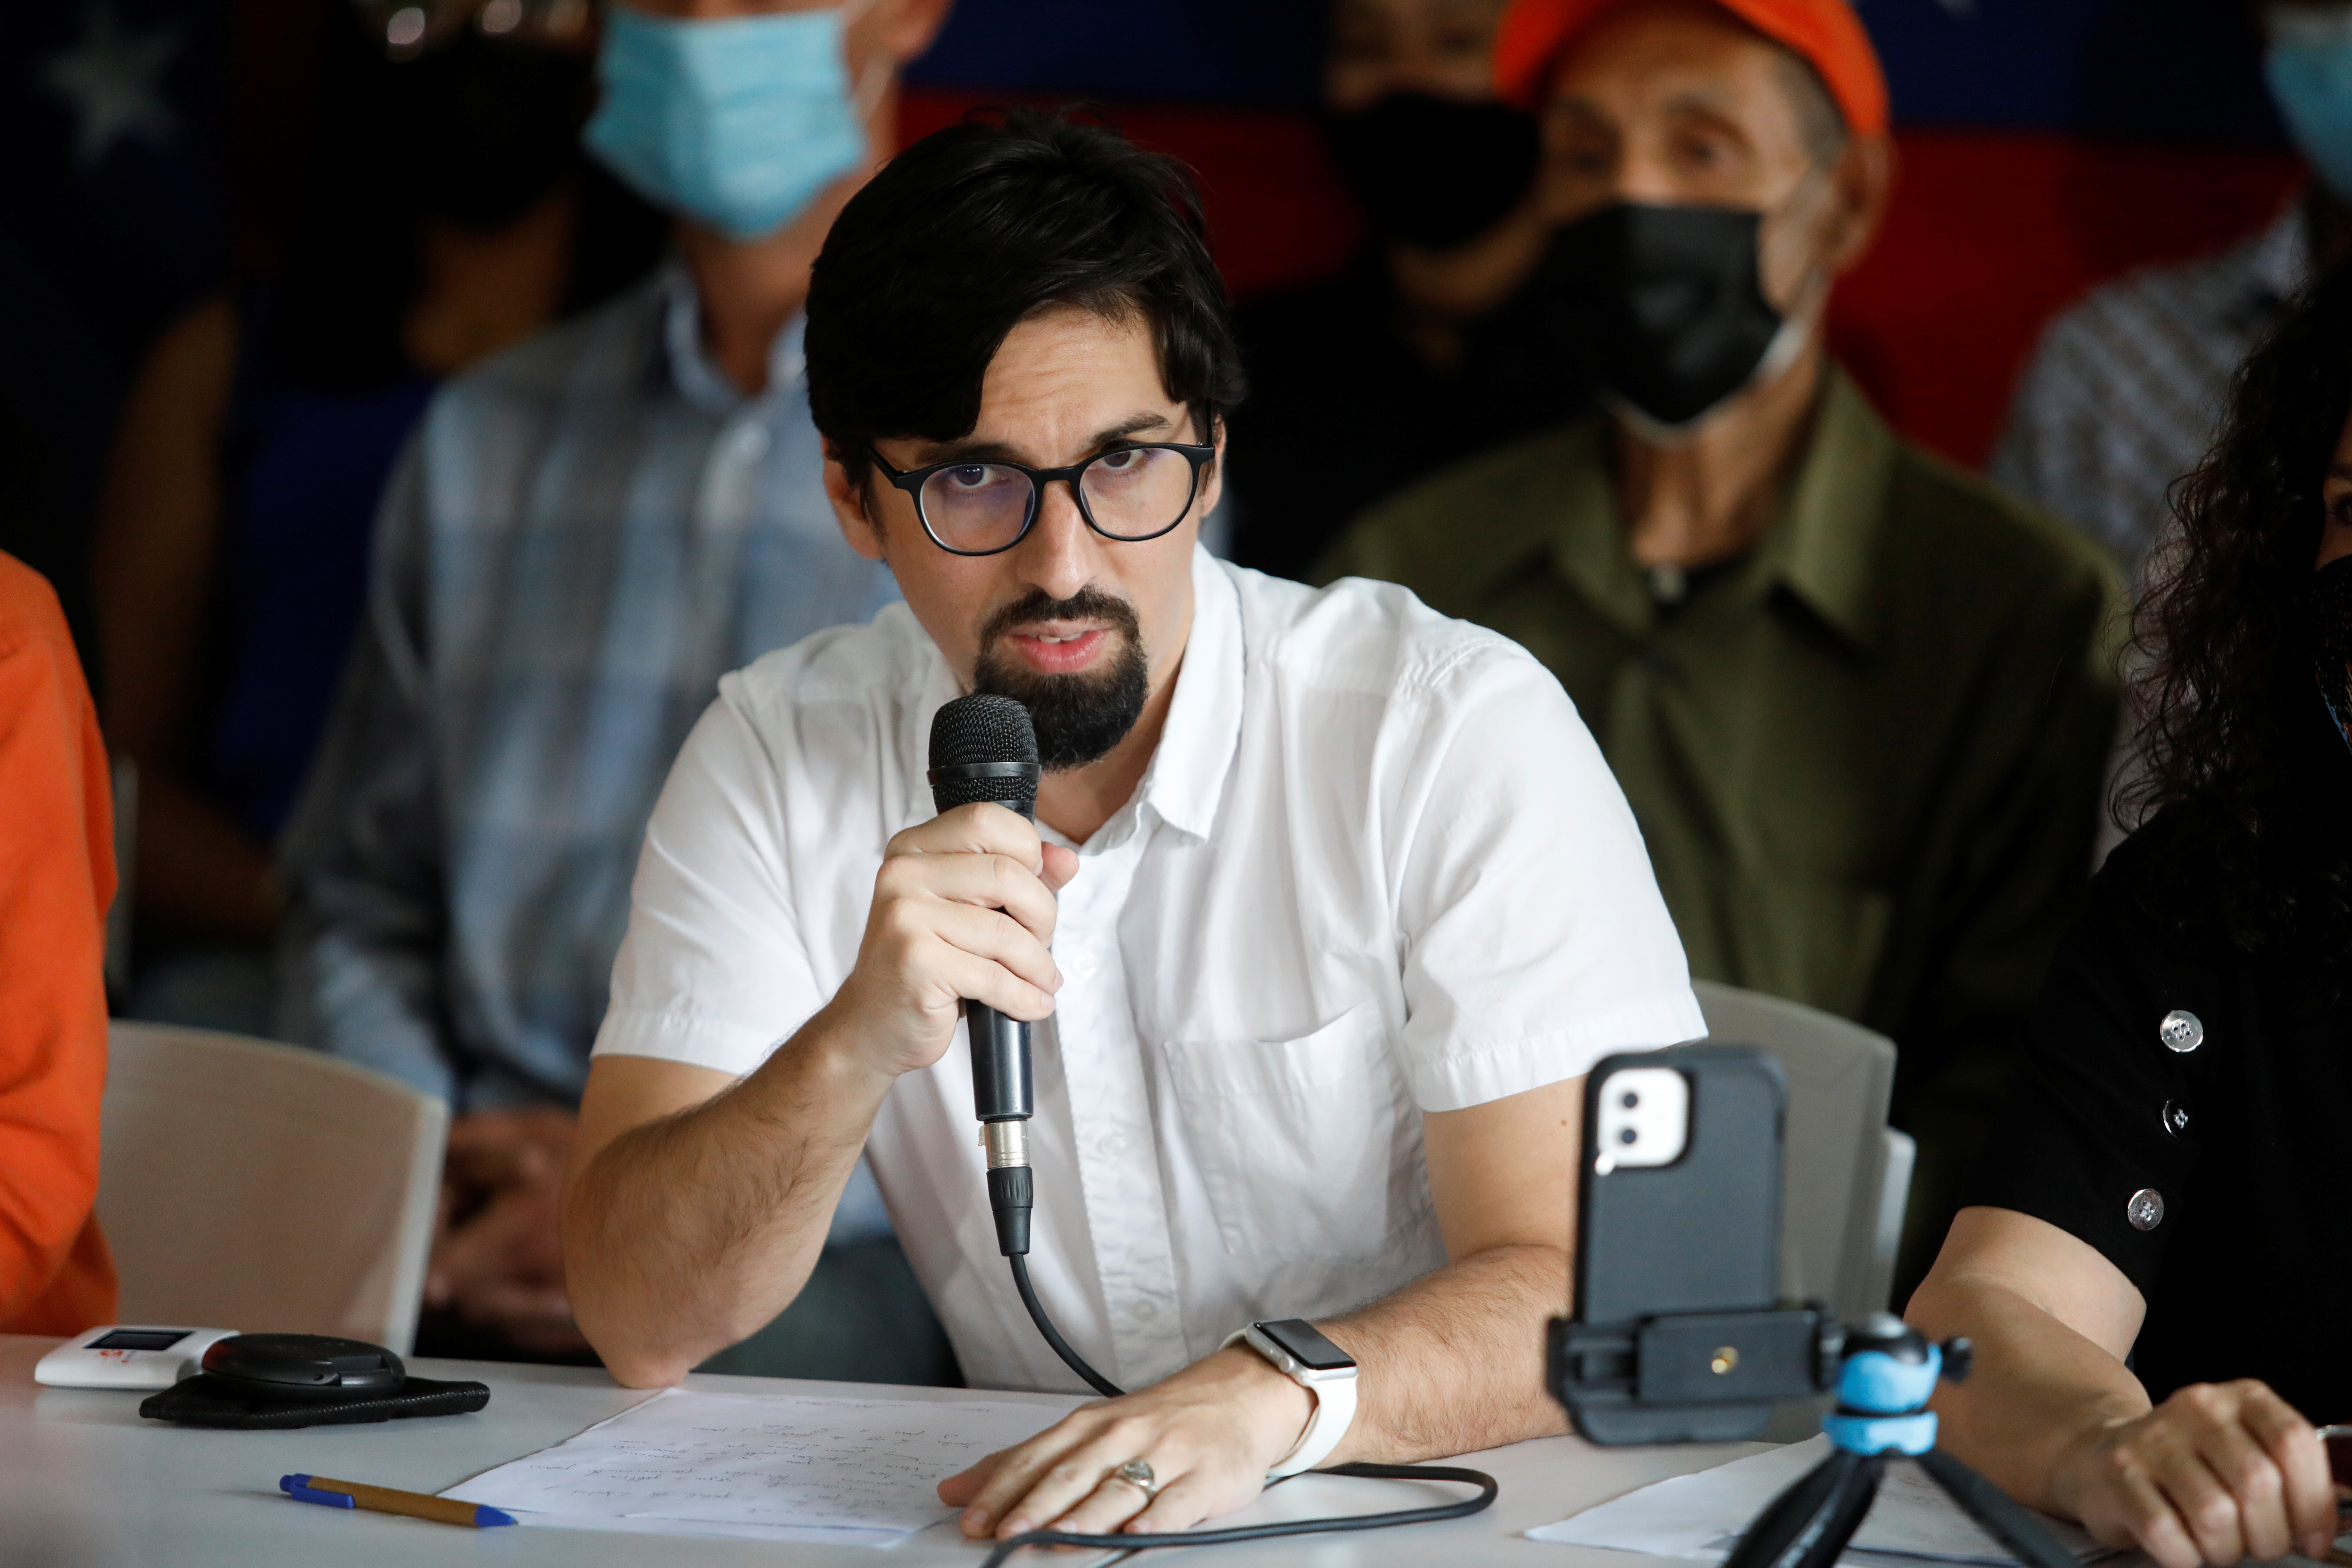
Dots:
pixel 1299 1351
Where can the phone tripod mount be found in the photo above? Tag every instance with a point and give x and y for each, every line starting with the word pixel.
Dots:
pixel 1887 1372
pixel 1699 1377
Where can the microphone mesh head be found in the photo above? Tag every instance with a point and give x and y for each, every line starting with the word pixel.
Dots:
pixel 984 727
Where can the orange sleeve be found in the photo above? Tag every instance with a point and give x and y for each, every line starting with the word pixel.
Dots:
pixel 56 878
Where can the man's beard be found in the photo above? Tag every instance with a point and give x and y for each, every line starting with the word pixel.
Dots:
pixel 1078 718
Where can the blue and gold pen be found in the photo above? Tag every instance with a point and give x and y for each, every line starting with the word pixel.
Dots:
pixel 383 1500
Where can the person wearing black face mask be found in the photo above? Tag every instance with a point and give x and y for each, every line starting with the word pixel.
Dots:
pixel 448 214
pixel 1858 700
pixel 1398 361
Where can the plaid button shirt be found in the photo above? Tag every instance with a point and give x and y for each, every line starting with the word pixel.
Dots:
pixel 2125 391
pixel 585 533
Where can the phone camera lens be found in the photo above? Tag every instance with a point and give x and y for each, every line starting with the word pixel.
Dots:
pixel 1627 1135
pixel 1630 1100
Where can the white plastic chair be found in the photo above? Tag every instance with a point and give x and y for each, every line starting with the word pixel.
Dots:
pixel 263 1187
pixel 1846 1174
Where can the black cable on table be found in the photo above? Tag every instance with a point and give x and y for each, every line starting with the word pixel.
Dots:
pixel 1485 1483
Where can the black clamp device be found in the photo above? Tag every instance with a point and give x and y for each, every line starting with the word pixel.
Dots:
pixel 277 1382
pixel 1709 1377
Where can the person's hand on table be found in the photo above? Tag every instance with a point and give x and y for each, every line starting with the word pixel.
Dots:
pixel 1210 1434
pixel 2216 1473
pixel 497 1255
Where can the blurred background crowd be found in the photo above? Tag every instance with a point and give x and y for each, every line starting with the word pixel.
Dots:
pixel 411 451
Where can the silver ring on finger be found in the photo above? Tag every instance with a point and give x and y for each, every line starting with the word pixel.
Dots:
pixel 1137 1473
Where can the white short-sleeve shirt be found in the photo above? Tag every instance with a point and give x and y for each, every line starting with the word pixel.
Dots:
pixel 1377 866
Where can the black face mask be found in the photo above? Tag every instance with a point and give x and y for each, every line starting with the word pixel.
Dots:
pixel 1664 301
pixel 489 127
pixel 1433 171
pixel 2330 607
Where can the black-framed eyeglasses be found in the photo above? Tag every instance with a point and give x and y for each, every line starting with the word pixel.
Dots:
pixel 1128 493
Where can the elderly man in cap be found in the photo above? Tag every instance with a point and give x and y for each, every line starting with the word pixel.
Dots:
pixel 1859 700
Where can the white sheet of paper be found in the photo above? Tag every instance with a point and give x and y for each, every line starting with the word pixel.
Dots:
pixel 779 1460
pixel 1701 1515
pixel 643 1526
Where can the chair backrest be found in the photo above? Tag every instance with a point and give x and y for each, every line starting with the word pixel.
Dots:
pixel 263 1187
pixel 1846 1173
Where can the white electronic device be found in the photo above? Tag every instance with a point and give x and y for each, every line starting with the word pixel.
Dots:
pixel 127 1356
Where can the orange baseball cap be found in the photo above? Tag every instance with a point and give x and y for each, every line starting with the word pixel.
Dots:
pixel 1825 33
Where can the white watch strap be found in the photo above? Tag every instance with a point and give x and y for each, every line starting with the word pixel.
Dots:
pixel 1335 1411
pixel 1335 1408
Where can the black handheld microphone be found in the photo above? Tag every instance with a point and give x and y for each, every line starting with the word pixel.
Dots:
pixel 984 748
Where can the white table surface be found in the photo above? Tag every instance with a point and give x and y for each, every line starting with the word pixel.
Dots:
pixel 85 1483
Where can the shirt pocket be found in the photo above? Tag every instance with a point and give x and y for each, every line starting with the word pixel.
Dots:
pixel 1309 1148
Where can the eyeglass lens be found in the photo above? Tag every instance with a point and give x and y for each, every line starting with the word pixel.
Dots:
pixel 1132 493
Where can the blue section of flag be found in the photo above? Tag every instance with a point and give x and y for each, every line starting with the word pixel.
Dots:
pixel 2165 70
pixel 113 213
pixel 1256 53
pixel 2158 70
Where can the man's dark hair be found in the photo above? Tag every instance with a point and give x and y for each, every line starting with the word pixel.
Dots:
pixel 977 227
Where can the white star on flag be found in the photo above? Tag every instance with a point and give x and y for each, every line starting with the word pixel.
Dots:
pixel 110 78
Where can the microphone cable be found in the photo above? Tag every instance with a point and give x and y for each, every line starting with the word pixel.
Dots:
pixel 1488 1486
pixel 985 748
pixel 1061 1346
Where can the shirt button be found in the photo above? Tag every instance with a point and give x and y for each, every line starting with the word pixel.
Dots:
pixel 2181 1031
pixel 2145 1209
pixel 751 442
pixel 1113 1145
pixel 2176 1117
pixel 1143 1311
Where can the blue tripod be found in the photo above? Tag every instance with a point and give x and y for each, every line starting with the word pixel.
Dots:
pixel 1883 1387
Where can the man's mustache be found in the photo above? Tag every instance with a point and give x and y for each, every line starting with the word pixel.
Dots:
pixel 1036 605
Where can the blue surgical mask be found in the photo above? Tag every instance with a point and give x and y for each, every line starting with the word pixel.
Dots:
pixel 2309 66
pixel 738 122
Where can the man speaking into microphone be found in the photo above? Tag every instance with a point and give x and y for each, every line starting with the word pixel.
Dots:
pixel 1328 904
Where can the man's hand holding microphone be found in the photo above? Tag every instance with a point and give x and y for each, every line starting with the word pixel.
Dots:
pixel 963 907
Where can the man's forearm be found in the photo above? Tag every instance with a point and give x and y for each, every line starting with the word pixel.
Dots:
pixel 2037 1392
pixel 1454 1363
pixel 687 1234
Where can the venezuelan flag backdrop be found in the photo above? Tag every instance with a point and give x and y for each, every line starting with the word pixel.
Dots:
pixel 2046 145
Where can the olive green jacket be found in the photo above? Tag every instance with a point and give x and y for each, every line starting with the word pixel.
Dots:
pixel 1867 759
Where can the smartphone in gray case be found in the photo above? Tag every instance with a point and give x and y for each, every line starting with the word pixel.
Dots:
pixel 1678 1213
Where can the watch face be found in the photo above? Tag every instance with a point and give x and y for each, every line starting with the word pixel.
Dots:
pixel 1307 1346
pixel 138 1340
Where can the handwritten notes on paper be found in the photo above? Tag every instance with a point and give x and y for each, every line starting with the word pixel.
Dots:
pixel 1701 1515
pixel 854 1466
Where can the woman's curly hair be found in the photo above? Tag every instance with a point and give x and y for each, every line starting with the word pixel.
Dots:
pixel 2224 692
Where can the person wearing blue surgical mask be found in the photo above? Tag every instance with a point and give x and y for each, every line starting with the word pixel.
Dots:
pixel 2307 61
pixel 739 122
pixel 2123 393
pixel 585 533
pixel 753 123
